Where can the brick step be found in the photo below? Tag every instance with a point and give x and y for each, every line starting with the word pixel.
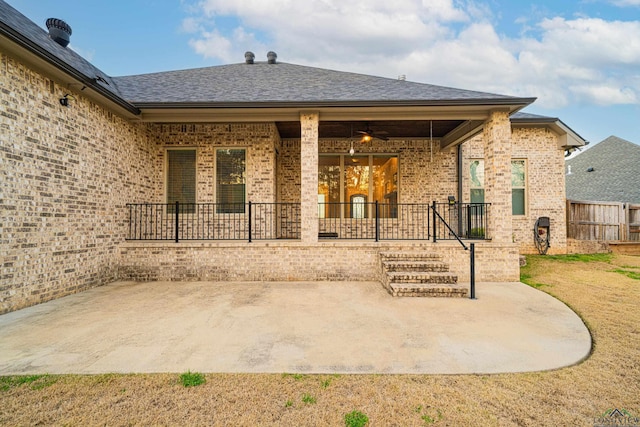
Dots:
pixel 410 256
pixel 427 290
pixel 419 266
pixel 422 277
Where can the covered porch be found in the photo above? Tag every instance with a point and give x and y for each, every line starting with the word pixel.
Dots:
pixel 303 216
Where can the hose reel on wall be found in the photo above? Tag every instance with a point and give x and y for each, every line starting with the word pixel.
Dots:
pixel 542 234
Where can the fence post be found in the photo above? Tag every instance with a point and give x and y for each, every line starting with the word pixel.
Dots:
pixel 433 213
pixel 177 220
pixel 249 221
pixel 377 222
pixel 472 255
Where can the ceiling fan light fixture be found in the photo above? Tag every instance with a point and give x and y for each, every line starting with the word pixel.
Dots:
pixel 366 138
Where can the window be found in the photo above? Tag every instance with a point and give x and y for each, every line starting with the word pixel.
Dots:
pixel 518 192
pixel 348 185
pixel 181 176
pixel 230 180
pixel 477 181
pixel 518 184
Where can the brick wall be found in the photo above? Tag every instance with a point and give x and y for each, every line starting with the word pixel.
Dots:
pixel 296 261
pixel 545 193
pixel 259 139
pixel 66 176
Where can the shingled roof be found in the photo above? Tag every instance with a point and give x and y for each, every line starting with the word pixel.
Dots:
pixel 262 82
pixel 607 172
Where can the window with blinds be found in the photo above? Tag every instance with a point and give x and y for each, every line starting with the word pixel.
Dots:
pixel 230 180
pixel 181 176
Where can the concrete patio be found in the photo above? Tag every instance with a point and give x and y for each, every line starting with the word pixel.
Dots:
pixel 305 327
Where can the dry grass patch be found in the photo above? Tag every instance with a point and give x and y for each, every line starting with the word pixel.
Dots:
pixel 603 290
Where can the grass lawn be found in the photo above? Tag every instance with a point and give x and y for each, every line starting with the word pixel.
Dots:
pixel 603 289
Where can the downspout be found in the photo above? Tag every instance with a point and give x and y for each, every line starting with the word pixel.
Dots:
pixel 459 158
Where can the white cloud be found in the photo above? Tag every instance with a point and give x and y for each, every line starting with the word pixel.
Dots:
pixel 625 3
pixel 606 94
pixel 191 25
pixel 447 42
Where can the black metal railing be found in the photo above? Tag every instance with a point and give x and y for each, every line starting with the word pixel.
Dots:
pixel 213 221
pixel 373 220
pixel 267 221
pixel 409 221
pixel 466 220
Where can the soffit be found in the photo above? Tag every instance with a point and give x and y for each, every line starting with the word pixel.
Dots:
pixel 388 128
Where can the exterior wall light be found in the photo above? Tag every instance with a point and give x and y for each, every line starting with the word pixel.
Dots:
pixel 64 101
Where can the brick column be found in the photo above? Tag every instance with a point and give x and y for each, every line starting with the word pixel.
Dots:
pixel 497 175
pixel 309 176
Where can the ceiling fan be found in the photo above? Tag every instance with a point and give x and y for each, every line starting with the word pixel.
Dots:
pixel 368 135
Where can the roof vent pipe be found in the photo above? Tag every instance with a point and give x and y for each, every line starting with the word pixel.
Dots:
pixel 59 31
pixel 249 57
pixel 271 57
pixel 402 77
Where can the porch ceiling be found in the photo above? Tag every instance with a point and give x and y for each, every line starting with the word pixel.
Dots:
pixel 388 128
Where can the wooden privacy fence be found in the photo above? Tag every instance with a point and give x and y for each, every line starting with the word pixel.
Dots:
pixel 604 221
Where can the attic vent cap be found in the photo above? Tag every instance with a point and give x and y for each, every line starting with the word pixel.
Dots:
pixel 271 57
pixel 59 31
pixel 249 57
pixel 402 77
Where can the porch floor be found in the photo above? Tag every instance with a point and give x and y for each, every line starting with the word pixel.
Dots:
pixel 306 327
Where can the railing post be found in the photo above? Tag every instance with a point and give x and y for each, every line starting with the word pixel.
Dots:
pixel 130 219
pixel 472 255
pixel 249 221
pixel 177 220
pixel 377 222
pixel 433 213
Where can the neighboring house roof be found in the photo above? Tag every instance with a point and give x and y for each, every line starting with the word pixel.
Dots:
pixel 606 172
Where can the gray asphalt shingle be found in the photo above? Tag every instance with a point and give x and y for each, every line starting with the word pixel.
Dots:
pixel 615 176
pixel 281 82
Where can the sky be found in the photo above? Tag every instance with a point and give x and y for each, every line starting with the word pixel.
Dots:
pixel 580 59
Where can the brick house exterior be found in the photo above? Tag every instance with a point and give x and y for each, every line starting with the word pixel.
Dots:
pixel 70 173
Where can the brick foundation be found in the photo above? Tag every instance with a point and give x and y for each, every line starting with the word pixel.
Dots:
pixel 147 261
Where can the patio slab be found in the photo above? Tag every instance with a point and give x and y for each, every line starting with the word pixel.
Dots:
pixel 305 327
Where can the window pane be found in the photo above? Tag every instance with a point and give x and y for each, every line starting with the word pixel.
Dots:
pixel 181 176
pixel 363 180
pixel 385 185
pixel 230 181
pixel 329 186
pixel 356 180
pixel 477 173
pixel 477 195
pixel 517 201
pixel 517 174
